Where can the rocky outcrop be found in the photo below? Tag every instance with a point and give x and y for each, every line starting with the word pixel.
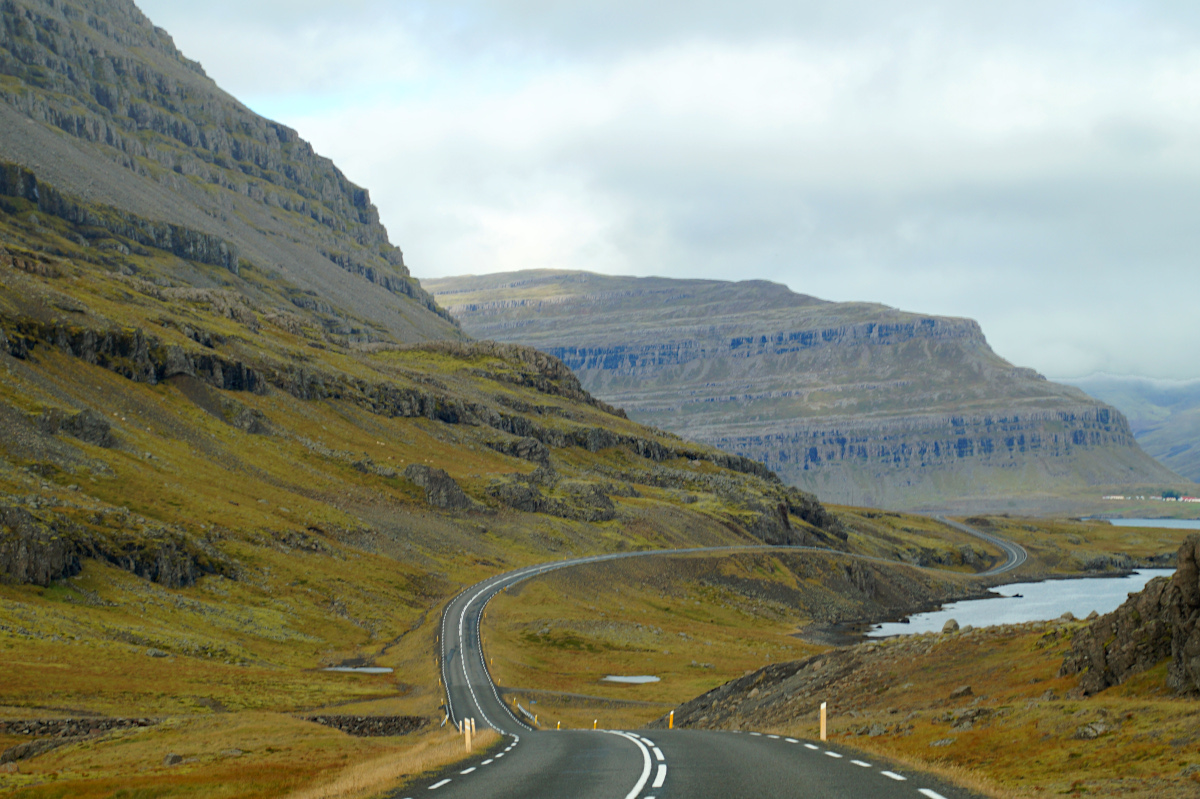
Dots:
pixel 50 734
pixel 440 489
pixel 527 448
pixel 39 546
pixel 101 221
pixel 92 725
pixel 1161 621
pixel 578 500
pixel 87 426
pixel 364 726
pixel 144 358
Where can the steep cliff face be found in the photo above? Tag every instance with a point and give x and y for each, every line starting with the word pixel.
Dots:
pixel 128 136
pixel 861 403
pixel 1160 622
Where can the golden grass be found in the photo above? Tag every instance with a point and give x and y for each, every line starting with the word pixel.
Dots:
pixel 396 769
pixel 1027 746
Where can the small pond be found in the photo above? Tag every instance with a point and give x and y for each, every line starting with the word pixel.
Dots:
pixel 360 669
pixel 638 680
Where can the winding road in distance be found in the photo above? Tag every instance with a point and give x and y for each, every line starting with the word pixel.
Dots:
pixel 623 764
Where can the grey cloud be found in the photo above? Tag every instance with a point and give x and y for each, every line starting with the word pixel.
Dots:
pixel 1030 164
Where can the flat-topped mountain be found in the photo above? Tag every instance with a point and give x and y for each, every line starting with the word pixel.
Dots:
pixel 858 402
pixel 138 143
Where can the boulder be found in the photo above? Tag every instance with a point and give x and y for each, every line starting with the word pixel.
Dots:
pixel 951 626
pixel 961 691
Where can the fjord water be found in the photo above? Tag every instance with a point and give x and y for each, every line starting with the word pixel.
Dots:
pixel 1167 524
pixel 1037 602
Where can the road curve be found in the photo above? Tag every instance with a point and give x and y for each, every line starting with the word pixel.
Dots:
pixel 1015 553
pixel 627 765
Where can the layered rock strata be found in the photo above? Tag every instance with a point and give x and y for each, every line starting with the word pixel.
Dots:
pixel 857 402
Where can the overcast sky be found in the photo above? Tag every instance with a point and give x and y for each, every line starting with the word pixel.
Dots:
pixel 1033 165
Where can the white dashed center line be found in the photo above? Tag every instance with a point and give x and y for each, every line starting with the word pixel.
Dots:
pixel 467 771
pixel 893 775
pixel 810 746
pixel 860 763
pixel 791 740
pixel 759 734
pixel 660 777
pixel 486 762
pixel 775 737
pixel 499 755
pixel 437 785
pixel 833 754
pixel 658 755
pixel 930 794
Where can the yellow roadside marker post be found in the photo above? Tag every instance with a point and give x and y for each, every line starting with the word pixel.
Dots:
pixel 671 721
pixel 594 722
pixel 823 736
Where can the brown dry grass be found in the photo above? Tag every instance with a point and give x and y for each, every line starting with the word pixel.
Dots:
pixel 395 769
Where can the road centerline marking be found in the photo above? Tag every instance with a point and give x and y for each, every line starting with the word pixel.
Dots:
pixel 773 737
pixel 645 775
pixel 437 785
pixel 467 770
pixel 661 777
pixel 791 740
pixel 658 755
pixel 812 747
pixel 893 776
pixel 861 763
pixel 486 762
pixel 930 794
pixel 832 754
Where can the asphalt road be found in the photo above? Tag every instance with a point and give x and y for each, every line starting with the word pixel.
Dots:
pixel 625 764
pixel 1015 553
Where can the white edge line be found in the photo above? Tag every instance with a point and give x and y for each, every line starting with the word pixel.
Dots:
pixel 641 783
pixel 661 776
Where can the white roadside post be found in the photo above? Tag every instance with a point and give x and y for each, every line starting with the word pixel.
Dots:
pixel 823 730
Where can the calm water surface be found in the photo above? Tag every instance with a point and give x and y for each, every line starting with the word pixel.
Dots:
pixel 1038 602
pixel 1167 524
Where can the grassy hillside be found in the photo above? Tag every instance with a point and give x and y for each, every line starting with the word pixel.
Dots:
pixel 204 500
pixel 857 402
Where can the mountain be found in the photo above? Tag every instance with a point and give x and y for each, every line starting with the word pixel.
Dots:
pixel 143 150
pixel 1163 414
pixel 240 444
pixel 857 402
